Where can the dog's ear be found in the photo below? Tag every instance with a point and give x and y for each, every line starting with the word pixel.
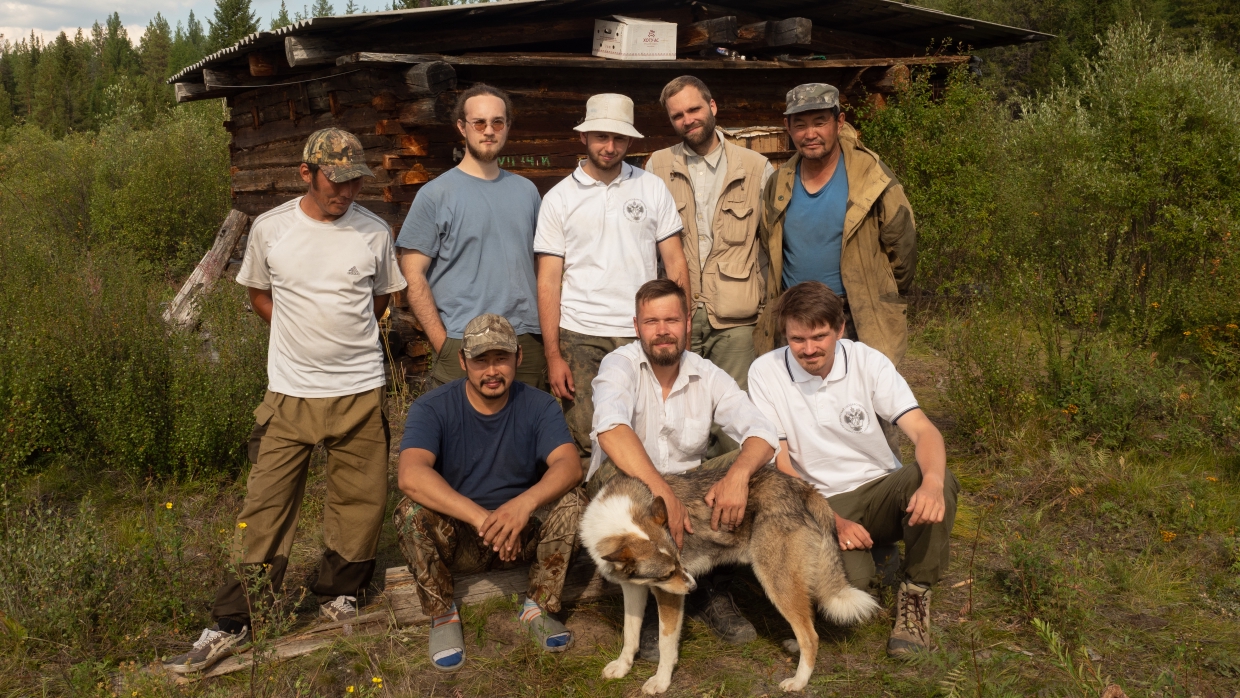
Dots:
pixel 624 556
pixel 658 512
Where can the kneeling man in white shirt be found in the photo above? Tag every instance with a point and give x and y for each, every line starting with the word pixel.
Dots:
pixel 654 405
pixel 825 395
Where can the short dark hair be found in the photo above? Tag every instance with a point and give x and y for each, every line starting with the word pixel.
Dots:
pixel 458 111
pixel 810 303
pixel 314 175
pixel 675 87
pixel 660 288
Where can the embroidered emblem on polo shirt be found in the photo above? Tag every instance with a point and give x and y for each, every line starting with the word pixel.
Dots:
pixel 353 272
pixel 634 210
pixel 854 418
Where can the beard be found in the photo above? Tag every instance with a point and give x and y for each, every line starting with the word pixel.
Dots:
pixel 704 133
pixel 498 386
pixel 598 162
pixel 660 354
pixel 481 155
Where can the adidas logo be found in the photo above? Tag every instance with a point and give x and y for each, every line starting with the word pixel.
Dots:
pixel 353 271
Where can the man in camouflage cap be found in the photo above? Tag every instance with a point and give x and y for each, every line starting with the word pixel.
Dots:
pixel 319 269
pixel 836 214
pixel 470 460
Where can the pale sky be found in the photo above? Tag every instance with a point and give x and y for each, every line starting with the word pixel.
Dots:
pixel 47 18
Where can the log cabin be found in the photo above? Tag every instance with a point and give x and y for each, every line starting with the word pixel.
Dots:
pixel 391 78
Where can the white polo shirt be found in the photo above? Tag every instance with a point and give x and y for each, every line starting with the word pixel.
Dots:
pixel 323 277
pixel 831 424
pixel 608 236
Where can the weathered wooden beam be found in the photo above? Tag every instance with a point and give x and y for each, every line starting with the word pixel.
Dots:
pixel 793 31
pixel 222 78
pixel 264 64
pixel 189 91
pixel 375 57
pixel 183 311
pixel 431 78
pixel 707 33
pixel 310 50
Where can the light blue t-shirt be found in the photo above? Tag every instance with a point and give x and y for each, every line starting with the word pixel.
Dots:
pixel 479 235
pixel 814 231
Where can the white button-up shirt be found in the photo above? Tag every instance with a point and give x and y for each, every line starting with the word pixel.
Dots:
pixel 676 431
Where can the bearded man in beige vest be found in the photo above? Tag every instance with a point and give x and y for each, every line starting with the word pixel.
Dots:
pixel 717 187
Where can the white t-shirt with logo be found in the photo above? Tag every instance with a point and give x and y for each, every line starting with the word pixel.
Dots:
pixel 608 236
pixel 323 278
pixel 830 424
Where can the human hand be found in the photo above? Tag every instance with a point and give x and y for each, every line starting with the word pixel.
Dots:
pixel 852 535
pixel 927 505
pixel 727 498
pixel 502 528
pixel 677 516
pixel 561 378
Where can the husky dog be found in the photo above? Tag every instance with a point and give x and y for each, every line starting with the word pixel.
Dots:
pixel 787 536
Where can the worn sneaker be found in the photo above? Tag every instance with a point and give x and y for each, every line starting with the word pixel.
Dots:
pixel 212 646
pixel 725 621
pixel 912 629
pixel 340 608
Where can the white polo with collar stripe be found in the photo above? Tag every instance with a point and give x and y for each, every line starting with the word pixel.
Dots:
pixel 830 424
pixel 608 235
pixel 675 431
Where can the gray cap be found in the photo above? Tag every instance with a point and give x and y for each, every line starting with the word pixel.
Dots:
pixel 812 96
pixel 487 332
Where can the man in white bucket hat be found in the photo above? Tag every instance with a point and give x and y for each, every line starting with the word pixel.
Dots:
pixel 601 234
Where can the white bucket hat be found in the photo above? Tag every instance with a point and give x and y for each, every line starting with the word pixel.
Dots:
pixel 609 113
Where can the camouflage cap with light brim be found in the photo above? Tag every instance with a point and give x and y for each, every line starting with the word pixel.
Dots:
pixel 812 96
pixel 338 154
pixel 487 332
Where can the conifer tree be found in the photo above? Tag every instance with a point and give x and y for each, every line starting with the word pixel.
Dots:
pixel 351 8
pixel 322 8
pixel 281 19
pixel 155 48
pixel 234 20
pixel 189 45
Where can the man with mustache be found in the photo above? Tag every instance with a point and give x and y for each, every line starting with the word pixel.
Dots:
pixel 474 500
pixel 826 394
pixel 319 270
pixel 718 190
pixel 601 234
pixel 465 245
pixel 655 404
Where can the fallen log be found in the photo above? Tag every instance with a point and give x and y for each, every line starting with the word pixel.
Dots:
pixel 183 311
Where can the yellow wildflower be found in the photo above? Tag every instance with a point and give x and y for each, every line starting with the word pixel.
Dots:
pixel 168 505
pixel 241 525
pixel 376 680
pixel 1168 536
pixel 349 689
pixel 1211 478
pixel 1187 333
pixel 1155 304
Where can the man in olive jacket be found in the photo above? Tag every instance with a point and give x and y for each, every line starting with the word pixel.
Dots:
pixel 835 213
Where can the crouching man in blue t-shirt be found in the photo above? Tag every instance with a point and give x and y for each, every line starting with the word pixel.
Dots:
pixel 475 500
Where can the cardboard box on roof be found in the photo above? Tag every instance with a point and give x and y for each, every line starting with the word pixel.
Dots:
pixel 631 39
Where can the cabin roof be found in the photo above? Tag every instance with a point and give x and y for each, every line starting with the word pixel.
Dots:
pixel 883 20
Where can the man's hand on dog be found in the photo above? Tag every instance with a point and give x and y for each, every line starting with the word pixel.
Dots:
pixel 728 497
pixel 677 516
pixel 502 528
pixel 852 535
pixel 927 505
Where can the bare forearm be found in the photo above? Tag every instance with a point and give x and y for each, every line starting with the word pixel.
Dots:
pixel 381 304
pixel 783 461
pixel 629 456
pixel 931 456
pixel 422 303
pixel 754 454
pixel 262 303
pixel 427 487
pixel 549 315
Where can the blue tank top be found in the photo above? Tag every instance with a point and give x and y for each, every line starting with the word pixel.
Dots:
pixel 814 231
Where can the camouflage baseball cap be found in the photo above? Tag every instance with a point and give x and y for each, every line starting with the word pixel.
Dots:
pixel 812 96
pixel 487 332
pixel 338 153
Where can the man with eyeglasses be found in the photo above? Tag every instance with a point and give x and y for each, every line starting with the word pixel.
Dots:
pixel 466 245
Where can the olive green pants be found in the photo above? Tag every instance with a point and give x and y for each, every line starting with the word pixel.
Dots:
pixel 730 349
pixel 879 506
pixel 532 371
pixel 583 353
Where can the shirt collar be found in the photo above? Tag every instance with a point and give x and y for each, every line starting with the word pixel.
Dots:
pixel 839 369
pixel 579 174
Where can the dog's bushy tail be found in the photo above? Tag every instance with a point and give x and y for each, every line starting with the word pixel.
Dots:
pixel 838 601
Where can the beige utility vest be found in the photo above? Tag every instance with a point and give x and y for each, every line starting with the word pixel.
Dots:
pixel 730 284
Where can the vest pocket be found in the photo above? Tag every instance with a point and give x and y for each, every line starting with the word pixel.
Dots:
pixel 734 224
pixel 738 291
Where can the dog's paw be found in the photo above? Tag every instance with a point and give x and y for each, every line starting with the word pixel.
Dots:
pixel 617 669
pixel 792 684
pixel 656 684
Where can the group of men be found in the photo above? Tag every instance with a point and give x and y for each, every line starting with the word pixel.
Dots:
pixel 707 311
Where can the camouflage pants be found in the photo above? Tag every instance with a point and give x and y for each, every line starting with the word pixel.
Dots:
pixel 437 546
pixel 583 353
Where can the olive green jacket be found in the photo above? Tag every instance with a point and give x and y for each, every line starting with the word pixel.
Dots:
pixel 879 254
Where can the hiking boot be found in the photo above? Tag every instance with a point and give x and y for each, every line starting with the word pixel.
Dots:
pixel 725 621
pixel 340 608
pixel 648 644
pixel 212 646
pixel 912 629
